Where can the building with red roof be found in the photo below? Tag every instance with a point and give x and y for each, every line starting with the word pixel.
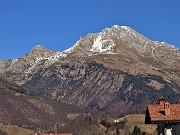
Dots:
pixel 165 115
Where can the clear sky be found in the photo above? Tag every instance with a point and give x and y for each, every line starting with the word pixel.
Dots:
pixel 58 24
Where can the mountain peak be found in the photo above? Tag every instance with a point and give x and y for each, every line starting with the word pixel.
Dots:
pixel 39 48
pixel 118 39
pixel 118 26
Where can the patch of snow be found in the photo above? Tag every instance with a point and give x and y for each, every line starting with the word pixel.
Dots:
pixel 38 46
pixel 173 46
pixel 124 27
pixel 116 26
pixel 14 61
pixel 102 45
pixel 107 29
pixel 156 42
pixel 28 71
pixel 134 34
pixel 51 58
pixel 72 48
pixel 163 42
pixel 48 60
pixel 145 45
pixel 153 48
pixel 97 46
pixel 39 59
pixel 122 35
pixel 55 57
pixel 69 50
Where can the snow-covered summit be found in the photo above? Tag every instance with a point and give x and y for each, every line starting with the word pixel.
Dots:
pixel 117 26
pixel 39 47
pixel 106 40
pixel 113 40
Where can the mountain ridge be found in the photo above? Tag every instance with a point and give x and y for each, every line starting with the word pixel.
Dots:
pixel 118 65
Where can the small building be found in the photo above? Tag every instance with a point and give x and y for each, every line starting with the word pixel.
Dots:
pixel 165 115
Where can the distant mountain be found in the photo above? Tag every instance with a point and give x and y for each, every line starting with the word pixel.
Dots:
pixel 117 71
pixel 29 110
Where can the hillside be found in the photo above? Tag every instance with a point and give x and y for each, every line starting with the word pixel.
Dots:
pixel 14 130
pixel 30 111
pixel 99 125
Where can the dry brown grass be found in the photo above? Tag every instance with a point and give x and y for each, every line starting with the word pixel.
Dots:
pixel 72 115
pixel 138 119
pixel 13 130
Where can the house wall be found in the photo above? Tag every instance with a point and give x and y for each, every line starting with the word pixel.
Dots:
pixel 176 129
pixel 160 128
pixel 168 129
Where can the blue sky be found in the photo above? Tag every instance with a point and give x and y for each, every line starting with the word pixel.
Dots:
pixel 58 24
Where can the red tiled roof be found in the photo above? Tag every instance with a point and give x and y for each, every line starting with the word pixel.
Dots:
pixel 156 113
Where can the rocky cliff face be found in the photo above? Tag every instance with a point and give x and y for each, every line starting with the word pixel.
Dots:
pixel 117 70
pixel 92 86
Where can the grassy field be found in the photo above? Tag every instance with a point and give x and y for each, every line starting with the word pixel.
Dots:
pixel 138 119
pixel 132 120
pixel 12 130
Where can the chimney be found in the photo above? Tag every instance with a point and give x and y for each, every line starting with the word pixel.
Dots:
pixel 167 109
pixel 162 100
